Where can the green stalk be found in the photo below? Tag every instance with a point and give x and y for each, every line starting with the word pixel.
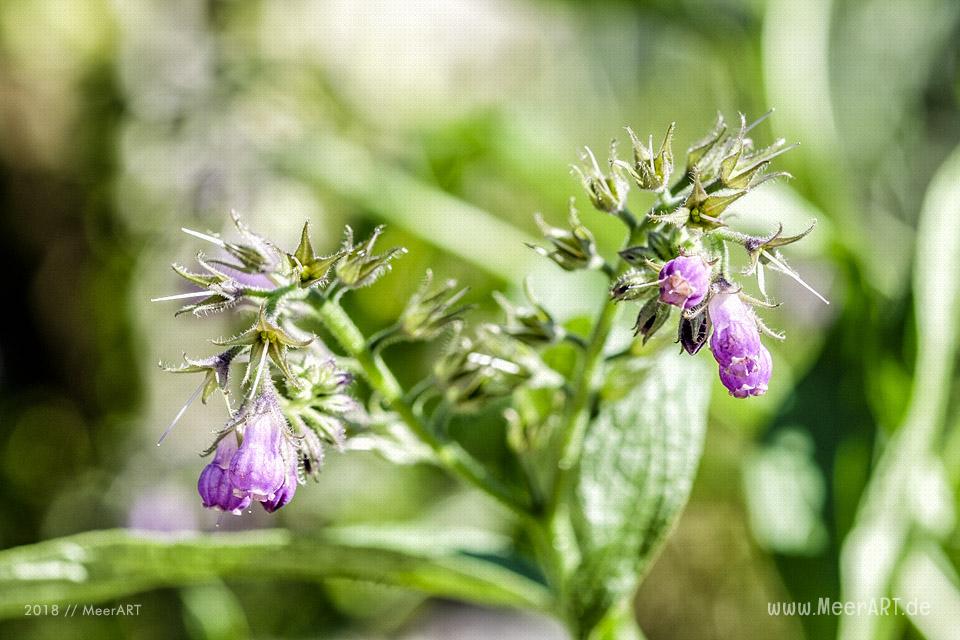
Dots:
pixel 380 378
pixel 578 419
pixel 564 554
pixel 576 426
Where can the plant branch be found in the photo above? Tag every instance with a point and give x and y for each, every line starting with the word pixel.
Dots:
pixel 449 454
pixel 578 419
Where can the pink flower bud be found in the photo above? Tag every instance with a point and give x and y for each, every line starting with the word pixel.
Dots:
pixel 684 281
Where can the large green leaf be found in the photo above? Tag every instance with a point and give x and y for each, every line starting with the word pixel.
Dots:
pixel 638 465
pixel 103 565
pixel 898 505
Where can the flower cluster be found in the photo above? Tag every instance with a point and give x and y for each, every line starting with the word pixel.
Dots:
pixel 262 469
pixel 293 392
pixel 677 255
pixel 277 435
pixel 272 442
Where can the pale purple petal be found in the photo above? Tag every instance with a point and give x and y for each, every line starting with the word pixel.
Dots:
pixel 684 281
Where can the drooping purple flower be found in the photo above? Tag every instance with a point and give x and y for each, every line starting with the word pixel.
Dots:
pixel 684 281
pixel 748 376
pixel 737 339
pixel 216 489
pixel 726 308
pixel 257 469
pixel 289 487
pixel 745 364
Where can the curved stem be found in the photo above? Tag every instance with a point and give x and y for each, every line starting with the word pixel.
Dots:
pixel 378 340
pixel 576 340
pixel 628 219
pixel 449 454
pixel 564 549
pixel 579 407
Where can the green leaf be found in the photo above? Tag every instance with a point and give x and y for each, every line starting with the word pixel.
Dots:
pixel 618 624
pixel 103 565
pixel 888 516
pixel 638 465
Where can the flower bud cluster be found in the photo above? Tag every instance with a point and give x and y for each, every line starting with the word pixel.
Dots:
pixel 273 440
pixel 678 254
pixel 651 170
pixel 533 324
pixel 431 310
pixel 359 266
pixel 253 270
pixel 607 191
pixel 573 248
pixel 489 364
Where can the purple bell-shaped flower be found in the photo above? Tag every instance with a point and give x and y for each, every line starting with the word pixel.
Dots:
pixel 289 487
pixel 215 487
pixel 684 281
pixel 748 376
pixel 745 364
pixel 257 469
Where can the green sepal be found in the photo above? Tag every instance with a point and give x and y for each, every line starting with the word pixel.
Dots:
pixel 699 149
pixel 215 368
pixel 312 269
pixel 651 318
pixel 359 267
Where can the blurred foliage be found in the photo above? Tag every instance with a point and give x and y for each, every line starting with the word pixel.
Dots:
pixel 453 123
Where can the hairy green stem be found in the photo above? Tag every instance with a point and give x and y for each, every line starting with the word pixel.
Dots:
pixel 562 555
pixel 578 418
pixel 729 235
pixel 378 340
pixel 379 376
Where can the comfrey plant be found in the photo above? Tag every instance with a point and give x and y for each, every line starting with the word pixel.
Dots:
pixel 604 444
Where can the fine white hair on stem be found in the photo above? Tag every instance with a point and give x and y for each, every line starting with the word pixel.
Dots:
pixel 204 236
pixel 260 367
pixel 783 268
pixel 182 411
pixel 182 296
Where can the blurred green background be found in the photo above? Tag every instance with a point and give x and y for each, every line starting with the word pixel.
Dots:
pixel 452 122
